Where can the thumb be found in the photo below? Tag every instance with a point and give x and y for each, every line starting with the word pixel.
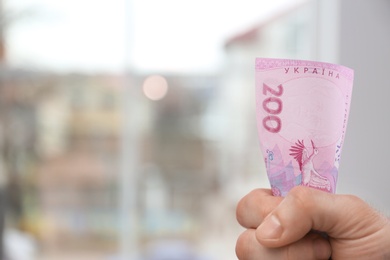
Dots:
pixel 305 209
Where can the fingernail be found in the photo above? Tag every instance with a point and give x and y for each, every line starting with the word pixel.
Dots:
pixel 322 248
pixel 270 228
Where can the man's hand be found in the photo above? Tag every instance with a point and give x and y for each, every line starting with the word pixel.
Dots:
pixel 294 227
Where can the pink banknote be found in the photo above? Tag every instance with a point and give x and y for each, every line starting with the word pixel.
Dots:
pixel 302 110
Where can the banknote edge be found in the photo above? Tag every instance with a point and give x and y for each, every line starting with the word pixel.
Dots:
pixel 270 63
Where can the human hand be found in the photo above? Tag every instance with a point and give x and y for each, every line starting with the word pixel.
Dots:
pixel 282 228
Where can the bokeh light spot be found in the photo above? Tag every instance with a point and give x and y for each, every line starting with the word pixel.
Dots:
pixel 155 87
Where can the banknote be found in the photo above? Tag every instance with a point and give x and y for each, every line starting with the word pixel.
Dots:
pixel 302 110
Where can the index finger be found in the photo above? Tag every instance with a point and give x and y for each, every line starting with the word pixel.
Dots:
pixel 255 206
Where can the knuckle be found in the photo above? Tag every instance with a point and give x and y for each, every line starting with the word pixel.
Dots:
pixel 302 197
pixel 353 200
pixel 359 207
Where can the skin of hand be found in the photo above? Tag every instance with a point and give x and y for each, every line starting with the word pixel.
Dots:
pixel 283 228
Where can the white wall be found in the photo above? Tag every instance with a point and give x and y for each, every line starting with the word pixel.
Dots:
pixel 364 36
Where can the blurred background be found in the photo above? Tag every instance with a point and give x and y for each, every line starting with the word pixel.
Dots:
pixel 127 127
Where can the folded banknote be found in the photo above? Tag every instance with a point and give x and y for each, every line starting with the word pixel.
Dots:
pixel 302 110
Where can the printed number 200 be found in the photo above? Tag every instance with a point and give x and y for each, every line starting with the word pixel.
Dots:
pixel 273 106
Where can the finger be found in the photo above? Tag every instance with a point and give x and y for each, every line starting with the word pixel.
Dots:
pixel 254 207
pixel 247 247
pixel 304 209
pixel 310 247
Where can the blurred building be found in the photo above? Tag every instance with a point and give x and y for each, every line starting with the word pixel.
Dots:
pixel 69 185
pixel 78 120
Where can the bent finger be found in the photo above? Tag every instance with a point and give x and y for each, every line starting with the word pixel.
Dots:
pixel 254 207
